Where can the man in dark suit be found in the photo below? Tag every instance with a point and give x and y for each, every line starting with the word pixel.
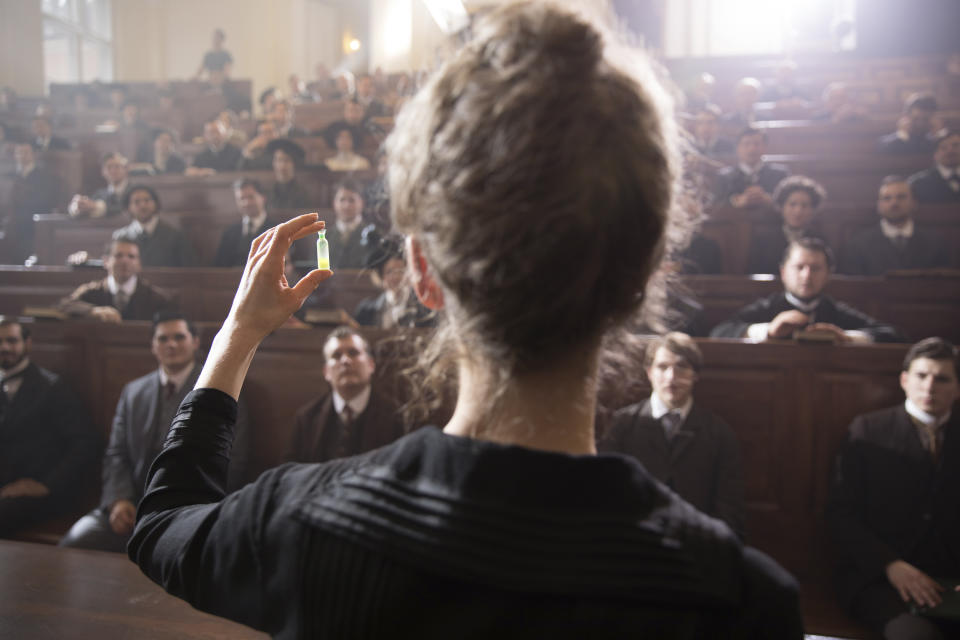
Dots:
pixel 679 442
pixel 896 241
pixel 914 134
pixel 892 512
pixel 353 417
pixel 236 239
pixel 47 443
pixel 751 181
pixel 161 244
pixel 940 183
pixel 144 414
pixel 706 133
pixel 107 201
pixel 802 306
pixel 35 190
pixel 219 155
pixel 366 96
pixel 123 294
pixel 352 243
pixel 43 138
pixel 398 305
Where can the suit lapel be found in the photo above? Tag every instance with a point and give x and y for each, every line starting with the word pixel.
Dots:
pixel 26 396
pixel 684 435
pixel 650 432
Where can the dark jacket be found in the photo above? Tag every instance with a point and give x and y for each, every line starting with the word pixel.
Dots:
pixel 733 181
pixel 889 501
pixel 369 312
pixel 167 246
pixel 227 159
pixel 929 187
pixel 318 433
pixel 234 247
pixel 892 143
pixel 47 435
pixel 113 200
pixel 436 532
pixel 870 253
pixel 701 462
pixel 145 301
pixel 290 195
pixel 355 251
pixel 829 310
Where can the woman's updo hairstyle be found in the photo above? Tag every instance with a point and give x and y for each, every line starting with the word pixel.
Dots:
pixel 537 176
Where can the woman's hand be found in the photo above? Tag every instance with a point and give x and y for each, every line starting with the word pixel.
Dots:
pixel 264 299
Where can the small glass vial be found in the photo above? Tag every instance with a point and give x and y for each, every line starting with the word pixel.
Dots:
pixel 323 251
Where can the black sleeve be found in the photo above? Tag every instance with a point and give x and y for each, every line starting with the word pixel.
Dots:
pixel 79 443
pixel 850 319
pixel 771 599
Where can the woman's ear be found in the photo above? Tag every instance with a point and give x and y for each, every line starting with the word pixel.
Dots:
pixel 426 288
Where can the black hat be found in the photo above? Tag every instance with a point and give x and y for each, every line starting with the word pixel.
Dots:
pixel 289 147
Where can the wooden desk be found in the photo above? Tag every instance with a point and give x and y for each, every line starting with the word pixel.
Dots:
pixel 51 593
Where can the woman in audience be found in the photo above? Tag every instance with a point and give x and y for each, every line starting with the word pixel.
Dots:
pixel 533 176
pixel 346 159
pixel 798 199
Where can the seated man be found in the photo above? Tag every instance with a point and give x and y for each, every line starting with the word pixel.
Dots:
pixel 940 184
pixel 680 443
pixel 281 115
pixel 745 95
pixel 892 512
pixel 35 190
pixel 49 443
pixel 751 181
pixel 366 96
pixel 161 244
pixel 802 305
pixel 897 241
pixel 915 128
pixel 397 306
pixel 122 295
pixel 160 157
pixel 219 155
pixel 286 193
pixel 351 242
pixel 236 239
pixel 43 138
pixel 107 201
pixel 255 156
pixel 352 119
pixel 144 414
pixel 353 417
pixel 706 133
pixel 838 106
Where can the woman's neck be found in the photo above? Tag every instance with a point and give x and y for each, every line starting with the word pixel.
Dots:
pixel 551 409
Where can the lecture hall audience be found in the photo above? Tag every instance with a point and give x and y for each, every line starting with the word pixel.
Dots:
pixel 757 219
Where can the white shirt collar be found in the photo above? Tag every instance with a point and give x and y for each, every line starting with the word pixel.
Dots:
pixel 893 232
pixel 250 225
pixel 920 415
pixel 11 387
pixel 747 169
pixel 177 378
pixel 147 228
pixel 947 173
pixel 658 408
pixel 15 369
pixel 358 404
pixel 128 287
pixel 120 188
pixel 803 305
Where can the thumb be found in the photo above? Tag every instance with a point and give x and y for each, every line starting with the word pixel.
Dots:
pixel 310 282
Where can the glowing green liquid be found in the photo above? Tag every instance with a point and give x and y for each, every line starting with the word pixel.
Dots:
pixel 323 252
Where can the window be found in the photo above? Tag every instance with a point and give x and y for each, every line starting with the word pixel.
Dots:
pixel 77 41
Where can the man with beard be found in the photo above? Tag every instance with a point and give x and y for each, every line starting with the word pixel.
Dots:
pixel 47 443
pixel 802 305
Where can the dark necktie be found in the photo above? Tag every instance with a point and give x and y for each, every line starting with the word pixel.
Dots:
pixel 120 300
pixel 900 242
pixel 168 390
pixel 670 421
pixel 347 417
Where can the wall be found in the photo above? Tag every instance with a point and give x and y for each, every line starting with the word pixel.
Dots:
pixel 269 39
pixel 21 46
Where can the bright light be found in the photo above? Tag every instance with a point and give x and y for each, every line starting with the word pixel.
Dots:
pixel 354 45
pixel 450 15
